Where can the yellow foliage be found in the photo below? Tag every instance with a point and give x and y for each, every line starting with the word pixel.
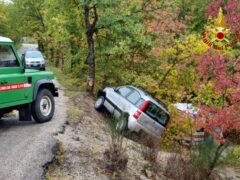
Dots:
pixel 180 127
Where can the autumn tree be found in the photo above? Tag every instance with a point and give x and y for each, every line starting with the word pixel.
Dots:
pixel 3 18
pixel 218 88
pixel 91 29
pixel 117 31
pixel 231 11
pixel 219 93
pixel 26 19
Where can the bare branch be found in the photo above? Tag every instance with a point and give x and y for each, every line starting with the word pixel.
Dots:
pixel 95 20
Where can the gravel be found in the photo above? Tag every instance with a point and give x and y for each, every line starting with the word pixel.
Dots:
pixel 25 147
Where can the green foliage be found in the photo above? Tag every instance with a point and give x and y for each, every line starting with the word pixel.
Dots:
pixel 150 44
pixel 207 95
pixel 233 157
pixel 199 163
pixel 124 42
pixel 206 156
pixel 203 154
pixel 179 128
pixel 3 17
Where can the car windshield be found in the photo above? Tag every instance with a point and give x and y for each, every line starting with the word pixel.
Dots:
pixel 156 113
pixel 33 54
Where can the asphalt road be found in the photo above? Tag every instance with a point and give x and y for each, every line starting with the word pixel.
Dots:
pixel 25 147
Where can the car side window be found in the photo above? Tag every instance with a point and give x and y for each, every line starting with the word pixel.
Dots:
pixel 123 91
pixel 134 97
pixel 140 103
pixel 7 57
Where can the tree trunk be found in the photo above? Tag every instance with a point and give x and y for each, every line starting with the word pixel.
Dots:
pixel 91 63
pixel 90 30
pixel 40 45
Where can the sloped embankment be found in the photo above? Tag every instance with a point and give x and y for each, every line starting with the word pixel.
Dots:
pixel 84 139
pixel 83 142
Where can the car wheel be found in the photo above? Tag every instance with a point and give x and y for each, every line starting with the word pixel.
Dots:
pixel 99 104
pixel 44 106
pixel 122 123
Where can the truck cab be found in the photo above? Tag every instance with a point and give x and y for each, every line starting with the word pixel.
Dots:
pixel 29 91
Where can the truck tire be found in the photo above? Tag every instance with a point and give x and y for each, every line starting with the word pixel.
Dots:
pixel 44 106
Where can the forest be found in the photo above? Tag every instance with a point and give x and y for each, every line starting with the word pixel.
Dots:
pixel 157 45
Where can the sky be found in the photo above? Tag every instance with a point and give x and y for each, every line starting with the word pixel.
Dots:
pixel 7 1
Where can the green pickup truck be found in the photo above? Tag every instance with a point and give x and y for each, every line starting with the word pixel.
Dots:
pixel 29 91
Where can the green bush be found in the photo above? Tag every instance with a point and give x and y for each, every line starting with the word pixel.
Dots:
pixel 233 157
pixel 115 156
pixel 202 160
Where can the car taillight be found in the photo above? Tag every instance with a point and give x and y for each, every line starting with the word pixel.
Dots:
pixel 137 114
pixel 142 109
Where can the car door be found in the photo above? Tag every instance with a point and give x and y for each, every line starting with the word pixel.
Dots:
pixel 13 82
pixel 127 100
pixel 116 99
pixel 132 100
pixel 153 119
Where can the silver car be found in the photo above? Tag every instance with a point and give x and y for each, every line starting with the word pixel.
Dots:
pixel 142 111
pixel 34 59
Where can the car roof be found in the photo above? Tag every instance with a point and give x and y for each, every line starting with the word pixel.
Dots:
pixel 147 96
pixel 187 108
pixel 5 39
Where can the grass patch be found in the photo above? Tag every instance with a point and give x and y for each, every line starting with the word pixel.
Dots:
pixel 74 114
pixel 60 157
pixel 233 157
pixel 72 85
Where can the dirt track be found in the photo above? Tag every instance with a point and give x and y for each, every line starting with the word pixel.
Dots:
pixel 25 147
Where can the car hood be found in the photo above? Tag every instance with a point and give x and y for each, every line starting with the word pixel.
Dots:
pixel 34 59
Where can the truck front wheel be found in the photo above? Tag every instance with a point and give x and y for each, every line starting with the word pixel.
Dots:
pixel 44 106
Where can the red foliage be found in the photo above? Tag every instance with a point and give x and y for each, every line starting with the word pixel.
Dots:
pixel 231 11
pixel 167 27
pixel 224 72
pixel 167 24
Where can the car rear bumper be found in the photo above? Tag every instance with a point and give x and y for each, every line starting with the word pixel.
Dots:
pixel 133 125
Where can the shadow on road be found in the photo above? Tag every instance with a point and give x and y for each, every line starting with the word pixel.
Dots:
pixel 8 123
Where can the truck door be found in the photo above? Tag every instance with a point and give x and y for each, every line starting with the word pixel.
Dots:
pixel 13 82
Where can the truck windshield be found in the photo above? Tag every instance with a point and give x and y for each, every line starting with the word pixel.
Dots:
pixel 7 57
pixel 156 113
